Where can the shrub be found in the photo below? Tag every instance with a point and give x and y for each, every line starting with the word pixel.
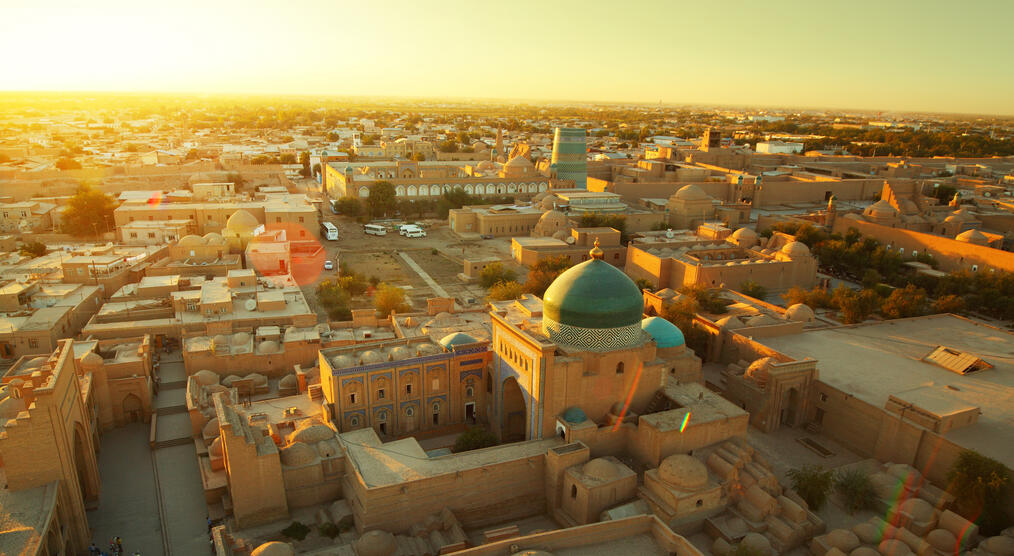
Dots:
pixel 495 273
pixel 980 486
pixel 389 298
pixel 856 490
pixel 473 439
pixel 753 289
pixel 503 291
pixel 329 530
pixel 812 483
pixel 296 530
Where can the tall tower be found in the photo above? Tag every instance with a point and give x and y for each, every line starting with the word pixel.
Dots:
pixel 497 147
pixel 711 140
pixel 570 155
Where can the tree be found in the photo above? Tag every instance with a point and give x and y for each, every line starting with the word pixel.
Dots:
pixel 753 289
pixel 66 163
pixel 382 199
pixel 89 213
pixel 949 304
pixel 418 157
pixel 980 486
pixel 389 298
pixel 856 490
pixel 812 483
pixel 348 206
pixel 543 272
pixel 904 302
pixel 504 291
pixel 335 300
pixel 287 158
pixel 494 273
pixel 473 439
pixel 855 306
pixel 33 249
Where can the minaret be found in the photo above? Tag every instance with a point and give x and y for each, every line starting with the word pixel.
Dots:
pixel 498 146
pixel 832 212
pixel 956 201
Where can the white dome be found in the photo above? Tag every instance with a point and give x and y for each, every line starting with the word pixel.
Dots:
pixel 800 313
pixel 795 249
pixel 691 193
pixel 274 548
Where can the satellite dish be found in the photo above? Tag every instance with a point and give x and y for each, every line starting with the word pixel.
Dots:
pixel 669 234
pixel 250 305
pixel 569 240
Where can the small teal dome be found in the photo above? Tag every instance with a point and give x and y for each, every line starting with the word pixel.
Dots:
pixel 665 333
pixel 456 339
pixel 574 415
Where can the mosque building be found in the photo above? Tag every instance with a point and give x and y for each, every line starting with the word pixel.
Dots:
pixel 583 346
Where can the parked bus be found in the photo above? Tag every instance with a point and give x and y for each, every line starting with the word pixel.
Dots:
pixel 329 231
pixel 375 229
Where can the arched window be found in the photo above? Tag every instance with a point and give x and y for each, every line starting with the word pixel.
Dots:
pixel 573 491
pixel 382 416
pixel 469 392
pixel 436 407
pixel 619 368
pixel 354 421
pixel 409 411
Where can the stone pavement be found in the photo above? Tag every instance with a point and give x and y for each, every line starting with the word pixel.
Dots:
pixel 437 290
pixel 128 504
pixel 183 500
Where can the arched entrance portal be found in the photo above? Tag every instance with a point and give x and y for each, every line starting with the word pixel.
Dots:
pixel 790 408
pixel 89 488
pixel 515 414
pixel 132 409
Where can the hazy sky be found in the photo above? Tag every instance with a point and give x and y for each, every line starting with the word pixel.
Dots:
pixel 886 54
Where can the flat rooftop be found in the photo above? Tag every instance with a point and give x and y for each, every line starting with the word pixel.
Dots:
pixel 874 361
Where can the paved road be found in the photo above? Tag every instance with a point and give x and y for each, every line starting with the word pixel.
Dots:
pixel 183 499
pixel 128 505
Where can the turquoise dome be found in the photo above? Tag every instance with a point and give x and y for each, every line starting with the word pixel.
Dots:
pixel 574 415
pixel 456 339
pixel 593 294
pixel 665 333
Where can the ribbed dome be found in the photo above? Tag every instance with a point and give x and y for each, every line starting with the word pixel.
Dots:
pixel 242 222
pixel 973 236
pixel 665 333
pixel 691 193
pixel 297 454
pixel 456 339
pixel 594 294
pixel 800 313
pixel 601 469
pixel 683 472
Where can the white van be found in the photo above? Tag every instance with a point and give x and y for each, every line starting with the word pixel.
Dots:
pixel 417 232
pixel 375 229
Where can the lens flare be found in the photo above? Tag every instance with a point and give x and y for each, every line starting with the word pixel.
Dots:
pixel 155 200
pixel 630 396
pixel 686 419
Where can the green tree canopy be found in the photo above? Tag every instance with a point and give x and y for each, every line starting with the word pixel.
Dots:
pixel 389 298
pixel 812 483
pixel 981 486
pixel 504 291
pixel 89 212
pixel 494 273
pixel 382 200
pixel 543 272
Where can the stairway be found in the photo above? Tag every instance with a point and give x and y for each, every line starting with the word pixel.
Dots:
pixel 172 424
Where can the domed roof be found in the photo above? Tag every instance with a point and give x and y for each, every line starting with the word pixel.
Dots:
pixel 867 532
pixel 486 165
pixel 37 362
pixel 274 548
pixel 757 542
pixel 917 508
pixel 456 339
pixel 191 241
pixel 267 346
pixel 943 541
pixel 212 238
pixel 553 218
pixel 665 333
pixel 427 349
pixel 257 379
pixel 684 472
pixel 744 233
pixel 560 235
pixel 311 432
pixel 327 448
pixel 691 193
pixel 211 428
pixel 400 353
pixel 216 447
pixel 795 249
pixel 761 319
pixel 205 377
pixel 973 236
pixel 519 162
pixel 843 540
pixel 240 338
pixel 375 543
pixel 730 322
pixel 371 356
pixel 601 469
pixel 881 209
pixel 296 454
pixel 893 547
pixel 90 360
pixel 574 415
pixel 864 551
pixel 1001 544
pixel 759 371
pixel 288 381
pixel 962 215
pixel 241 221
pixel 800 312
pixel 342 362
pixel 549 202
pixel 593 294
pixel 221 340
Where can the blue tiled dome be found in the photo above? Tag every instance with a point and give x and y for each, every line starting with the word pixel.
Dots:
pixel 574 415
pixel 665 333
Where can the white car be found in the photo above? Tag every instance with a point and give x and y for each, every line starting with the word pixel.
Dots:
pixel 328 265
pixel 415 233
